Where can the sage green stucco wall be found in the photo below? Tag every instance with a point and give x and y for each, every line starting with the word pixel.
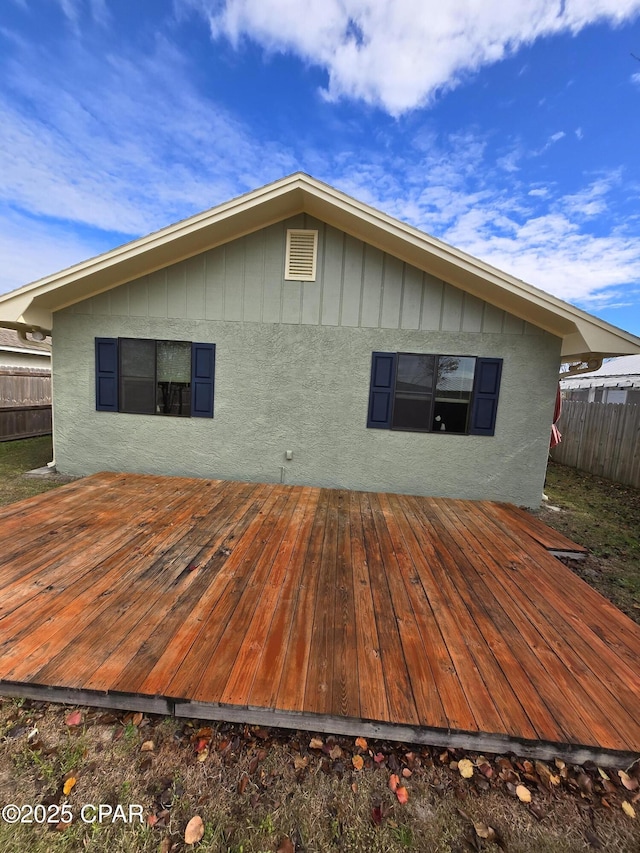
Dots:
pixel 292 373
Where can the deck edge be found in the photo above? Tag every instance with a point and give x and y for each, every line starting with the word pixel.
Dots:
pixel 316 723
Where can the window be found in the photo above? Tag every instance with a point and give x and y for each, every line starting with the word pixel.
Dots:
pixel 142 376
pixel 434 393
pixel 616 395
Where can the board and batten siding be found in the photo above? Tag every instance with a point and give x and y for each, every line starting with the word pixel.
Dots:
pixel 357 285
pixel 293 365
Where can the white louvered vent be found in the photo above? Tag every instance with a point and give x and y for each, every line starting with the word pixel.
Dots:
pixel 302 251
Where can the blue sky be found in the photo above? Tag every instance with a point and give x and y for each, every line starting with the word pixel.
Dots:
pixel 511 133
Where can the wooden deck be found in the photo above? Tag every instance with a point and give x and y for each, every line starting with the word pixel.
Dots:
pixel 416 619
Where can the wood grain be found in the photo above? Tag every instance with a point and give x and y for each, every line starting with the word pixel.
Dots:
pixel 445 618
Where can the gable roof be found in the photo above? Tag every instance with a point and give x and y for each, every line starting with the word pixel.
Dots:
pixel 583 336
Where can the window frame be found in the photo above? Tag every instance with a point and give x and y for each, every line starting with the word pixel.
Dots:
pixel 481 407
pixel 109 376
pixel 431 395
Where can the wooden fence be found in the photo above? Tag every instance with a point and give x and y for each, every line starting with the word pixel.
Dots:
pixel 25 403
pixel 601 438
pixel 24 421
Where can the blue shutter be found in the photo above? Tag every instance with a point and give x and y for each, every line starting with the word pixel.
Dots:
pixel 107 374
pixel 383 377
pixel 203 364
pixel 485 396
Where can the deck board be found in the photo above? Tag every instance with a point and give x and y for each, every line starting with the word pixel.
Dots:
pixel 509 517
pixel 270 662
pixel 373 696
pixel 505 648
pixel 565 656
pixel 420 632
pixel 522 632
pixel 346 684
pixel 318 692
pixel 416 618
pixel 494 699
pixel 397 679
pixel 291 690
pixel 248 593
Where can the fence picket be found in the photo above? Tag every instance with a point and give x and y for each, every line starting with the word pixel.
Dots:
pixel 25 403
pixel 601 438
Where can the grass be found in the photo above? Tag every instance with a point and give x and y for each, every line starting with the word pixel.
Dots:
pixel 324 806
pixel 16 457
pixel 605 517
pixel 255 788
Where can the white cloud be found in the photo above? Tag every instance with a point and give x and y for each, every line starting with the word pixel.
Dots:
pixel 510 161
pixel 100 11
pixel 551 141
pixel 612 298
pixel 539 192
pixel 635 78
pixel 122 147
pixel 399 54
pixel 93 153
pixel 31 249
pixel 591 200
pixel 532 233
pixel 73 9
pixel 554 254
pixel 126 149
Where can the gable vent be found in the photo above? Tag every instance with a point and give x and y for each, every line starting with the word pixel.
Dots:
pixel 302 251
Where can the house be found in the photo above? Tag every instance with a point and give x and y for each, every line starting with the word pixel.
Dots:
pixel 25 385
pixel 295 334
pixel 617 381
pixel 16 352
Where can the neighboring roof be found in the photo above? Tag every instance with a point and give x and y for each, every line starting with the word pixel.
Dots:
pixel 583 335
pixel 11 341
pixel 621 372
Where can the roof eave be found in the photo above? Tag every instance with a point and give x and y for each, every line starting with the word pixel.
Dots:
pixel 31 307
pixel 583 336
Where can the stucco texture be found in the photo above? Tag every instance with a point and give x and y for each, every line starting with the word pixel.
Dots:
pixel 305 388
pixel 293 364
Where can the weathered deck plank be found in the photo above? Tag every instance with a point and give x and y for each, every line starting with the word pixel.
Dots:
pixel 346 684
pixel 225 594
pixel 241 603
pixel 254 632
pixel 397 679
pixel 318 693
pixel 169 602
pixel 510 517
pixel 291 690
pixel 373 697
pixel 557 641
pixel 270 662
pixel 421 618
